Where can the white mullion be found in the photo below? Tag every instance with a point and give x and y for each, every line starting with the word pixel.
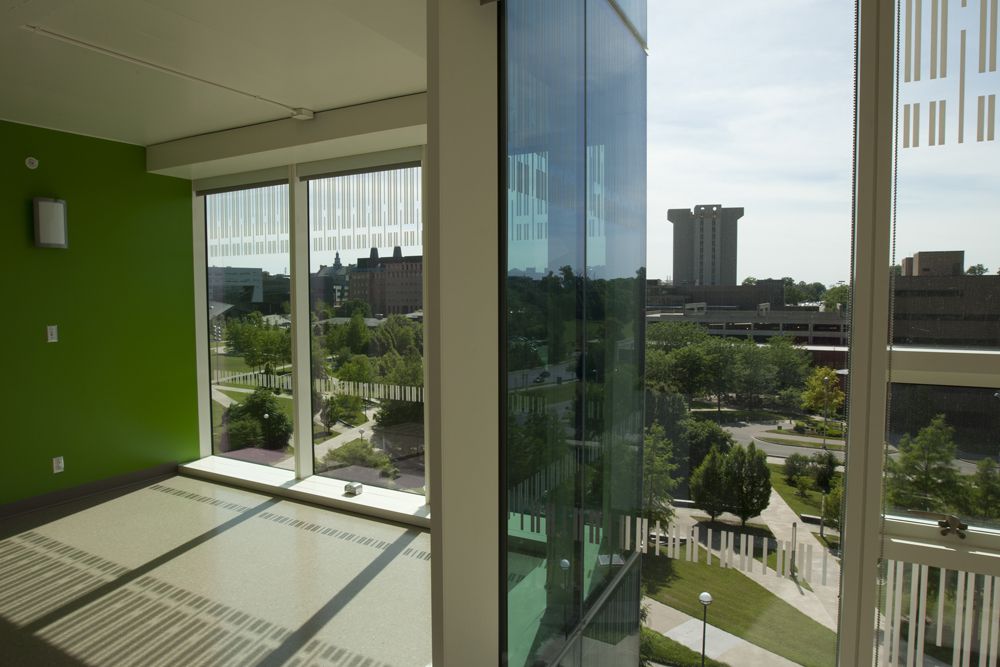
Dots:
pixel 201 323
pixel 298 243
pixel 869 357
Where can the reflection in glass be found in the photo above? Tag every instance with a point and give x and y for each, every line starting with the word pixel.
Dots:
pixel 250 348
pixel 575 232
pixel 366 302
pixel 944 443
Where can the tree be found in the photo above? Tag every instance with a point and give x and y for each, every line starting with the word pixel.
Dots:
pixel 702 436
pixel 834 500
pixel 687 370
pixel 923 477
pixel 837 295
pixel 747 481
pixel 669 336
pixel 720 367
pixel 708 484
pixel 749 280
pixel 357 335
pixel 755 374
pixel 982 497
pixel 822 393
pixel 791 363
pixel 977 270
pixel 351 306
pixel 263 408
pixel 823 469
pixel 658 469
pixel 357 369
pixel 795 466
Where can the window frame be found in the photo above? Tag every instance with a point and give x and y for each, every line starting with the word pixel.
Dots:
pixel 302 483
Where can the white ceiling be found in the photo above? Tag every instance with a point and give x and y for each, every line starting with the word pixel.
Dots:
pixel 317 54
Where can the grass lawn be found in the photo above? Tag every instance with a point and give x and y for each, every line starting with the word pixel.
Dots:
pixel 665 651
pixel 802 443
pixel 810 504
pixel 741 607
pixel 227 362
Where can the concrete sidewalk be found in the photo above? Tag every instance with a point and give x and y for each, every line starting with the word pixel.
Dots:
pixel 719 644
pixel 822 604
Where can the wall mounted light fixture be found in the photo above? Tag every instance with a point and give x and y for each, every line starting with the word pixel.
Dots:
pixel 50 223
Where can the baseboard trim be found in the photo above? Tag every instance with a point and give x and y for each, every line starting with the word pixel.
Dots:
pixel 61 496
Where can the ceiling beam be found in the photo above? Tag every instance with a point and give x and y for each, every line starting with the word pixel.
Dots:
pixel 363 128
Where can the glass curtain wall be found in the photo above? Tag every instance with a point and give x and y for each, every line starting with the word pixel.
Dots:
pixel 250 347
pixel 366 303
pixel 575 228
pixel 943 427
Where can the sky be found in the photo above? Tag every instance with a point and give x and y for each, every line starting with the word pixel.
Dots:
pixel 751 104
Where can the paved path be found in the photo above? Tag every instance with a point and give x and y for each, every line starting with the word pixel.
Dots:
pixel 719 644
pixel 822 602
pixel 350 433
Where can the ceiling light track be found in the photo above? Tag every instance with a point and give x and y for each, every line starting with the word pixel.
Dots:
pixel 298 113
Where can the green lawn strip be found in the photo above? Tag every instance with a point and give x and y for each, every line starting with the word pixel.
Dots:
pixel 665 651
pixel 227 362
pixel 741 607
pixel 801 443
pixel 759 531
pixel 810 504
pixel 789 432
pixel 320 434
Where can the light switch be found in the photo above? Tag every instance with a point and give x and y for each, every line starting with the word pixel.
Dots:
pixel 52 333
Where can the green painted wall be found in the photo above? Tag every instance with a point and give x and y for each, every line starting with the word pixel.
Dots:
pixel 117 393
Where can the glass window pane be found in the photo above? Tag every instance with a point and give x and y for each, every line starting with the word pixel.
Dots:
pixel 749 263
pixel 250 346
pixel 366 299
pixel 947 287
pixel 575 233
pixel 943 446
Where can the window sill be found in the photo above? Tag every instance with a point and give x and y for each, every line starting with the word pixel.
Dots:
pixel 407 508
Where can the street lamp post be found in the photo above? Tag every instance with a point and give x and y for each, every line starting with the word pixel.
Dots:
pixel 705 599
pixel 826 406
pixel 564 566
pixel 795 530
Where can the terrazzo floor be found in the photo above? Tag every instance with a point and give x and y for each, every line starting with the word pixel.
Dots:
pixel 188 572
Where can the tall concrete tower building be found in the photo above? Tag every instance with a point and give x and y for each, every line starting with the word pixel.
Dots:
pixel 705 244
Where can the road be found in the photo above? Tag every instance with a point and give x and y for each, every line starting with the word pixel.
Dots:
pixel 745 433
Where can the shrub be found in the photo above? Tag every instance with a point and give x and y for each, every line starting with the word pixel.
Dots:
pixel 361 453
pixel 799 427
pixel 245 432
pixel 796 466
pixel 802 485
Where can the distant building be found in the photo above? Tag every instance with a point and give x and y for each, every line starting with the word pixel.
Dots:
pixel 663 296
pixel 705 244
pixel 935 263
pixel 390 285
pixel 328 285
pixel 248 289
pixel 235 285
pixel 804 327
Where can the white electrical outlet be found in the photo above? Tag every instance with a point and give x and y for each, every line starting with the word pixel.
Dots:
pixel 58 465
pixel 52 333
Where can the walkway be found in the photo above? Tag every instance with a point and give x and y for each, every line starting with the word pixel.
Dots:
pixel 719 644
pixel 822 602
